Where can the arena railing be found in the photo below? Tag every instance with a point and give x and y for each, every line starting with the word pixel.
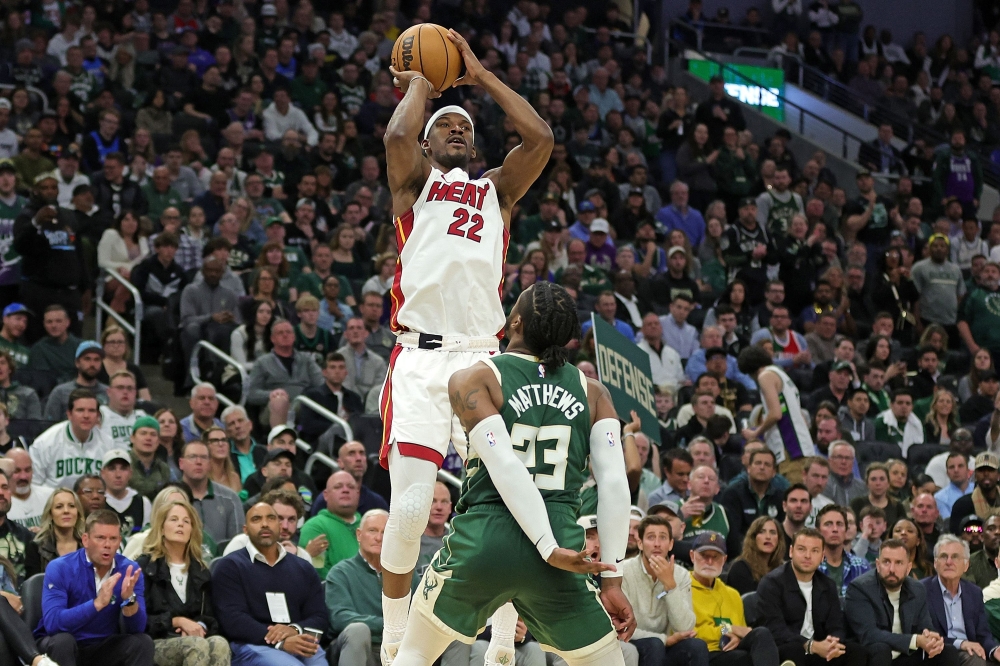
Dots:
pixel 218 353
pixel 715 32
pixel 325 460
pixel 134 329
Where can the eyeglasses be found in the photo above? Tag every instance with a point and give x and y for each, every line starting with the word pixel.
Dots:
pixel 954 557
pixel 840 457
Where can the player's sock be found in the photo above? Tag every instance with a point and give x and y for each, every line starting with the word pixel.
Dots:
pixel 394 615
pixel 501 649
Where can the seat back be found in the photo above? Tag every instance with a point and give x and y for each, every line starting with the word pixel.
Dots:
pixel 31 598
pixel 751 609
pixel 869 452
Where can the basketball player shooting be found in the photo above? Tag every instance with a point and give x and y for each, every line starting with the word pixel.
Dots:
pixel 452 233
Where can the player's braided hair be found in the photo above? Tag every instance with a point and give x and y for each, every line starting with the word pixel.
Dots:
pixel 550 322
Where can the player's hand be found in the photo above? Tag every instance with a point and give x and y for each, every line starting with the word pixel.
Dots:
pixel 633 426
pixel 402 81
pixel 619 609
pixel 474 69
pixel 576 562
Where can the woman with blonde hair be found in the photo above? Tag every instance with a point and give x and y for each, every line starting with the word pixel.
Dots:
pixel 172 492
pixel 179 591
pixel 220 464
pixel 763 552
pixel 60 532
pixel 942 418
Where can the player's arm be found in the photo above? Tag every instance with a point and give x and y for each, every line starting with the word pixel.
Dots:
pixel 407 168
pixel 608 463
pixel 525 163
pixel 476 397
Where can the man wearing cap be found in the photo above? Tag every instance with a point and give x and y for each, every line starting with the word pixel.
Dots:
pixel 55 354
pixel 132 508
pixel 869 215
pixel 837 389
pixel 282 438
pixel 660 593
pixel 118 417
pixel 68 174
pixel 898 424
pixel 149 473
pixel 983 563
pixel 15 322
pixel 89 360
pixel 531 227
pixel 600 248
pixel 718 610
pixel 719 110
pixel 72 448
pixel 679 215
pixel 748 250
pixel 606 308
pixel 984 497
pixel 585 214
pixel 219 507
pixel 940 284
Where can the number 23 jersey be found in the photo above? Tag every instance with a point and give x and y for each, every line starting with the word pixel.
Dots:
pixel 548 418
pixel 452 245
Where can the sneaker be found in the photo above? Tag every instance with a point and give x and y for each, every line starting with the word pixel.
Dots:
pixel 502 657
pixel 45 661
pixel 388 653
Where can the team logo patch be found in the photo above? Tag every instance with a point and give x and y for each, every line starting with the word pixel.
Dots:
pixel 541 371
pixel 491 440
pixel 611 440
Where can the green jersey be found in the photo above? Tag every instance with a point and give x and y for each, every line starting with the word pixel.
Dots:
pixel 779 217
pixel 548 418
pixel 10 261
pixel 981 311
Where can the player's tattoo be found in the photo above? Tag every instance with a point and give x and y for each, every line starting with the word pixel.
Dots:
pixel 462 405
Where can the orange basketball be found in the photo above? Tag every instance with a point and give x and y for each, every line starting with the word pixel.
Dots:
pixel 425 48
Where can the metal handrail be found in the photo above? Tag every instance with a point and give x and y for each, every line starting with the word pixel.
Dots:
pixel 215 351
pixel 320 458
pixel 802 112
pixel 135 330
pixel 303 445
pixel 449 479
pixel 325 413
pixel 699 33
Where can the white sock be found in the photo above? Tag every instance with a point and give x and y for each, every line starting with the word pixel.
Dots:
pixel 394 615
pixel 503 626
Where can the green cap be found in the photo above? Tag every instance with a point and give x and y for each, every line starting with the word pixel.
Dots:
pixel 146 422
pixel 274 219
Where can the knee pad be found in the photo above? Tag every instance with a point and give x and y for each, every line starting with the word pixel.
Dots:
pixel 408 514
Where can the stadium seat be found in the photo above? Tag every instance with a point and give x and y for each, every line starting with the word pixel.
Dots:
pixel 919 455
pixel 869 452
pixel 367 430
pixel 31 597
pixel 751 608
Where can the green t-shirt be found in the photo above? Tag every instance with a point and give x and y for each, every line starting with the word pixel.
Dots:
pixel 548 418
pixel 160 202
pixel 18 352
pixel 342 537
pixel 836 574
pixel 715 520
pixel 981 312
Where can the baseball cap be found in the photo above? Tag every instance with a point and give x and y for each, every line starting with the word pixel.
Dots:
pixel 987 459
pixel 747 201
pixel 709 541
pixel 593 192
pixel 840 365
pixel 554 225
pixel 668 506
pixel 7 165
pixel 935 237
pixel 16 308
pixel 274 454
pixel 146 422
pixel 586 207
pixel 674 250
pixel 268 10
pixel 635 513
pixel 862 173
pixel 88 346
pixel 548 196
pixel 5 103
pixel 279 430
pixel 600 226
pixel 72 150
pixel 970 520
pixel 587 522
pixel 23 45
pixel 635 191
pixel 274 219
pixel 305 202
pixel 113 455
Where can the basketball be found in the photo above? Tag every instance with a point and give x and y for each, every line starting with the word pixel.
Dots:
pixel 425 48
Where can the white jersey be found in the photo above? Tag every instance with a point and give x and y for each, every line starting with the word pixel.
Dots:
pixel 59 459
pixel 789 437
pixel 28 513
pixel 116 428
pixel 452 245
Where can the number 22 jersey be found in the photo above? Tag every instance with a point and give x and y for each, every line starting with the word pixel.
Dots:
pixel 452 245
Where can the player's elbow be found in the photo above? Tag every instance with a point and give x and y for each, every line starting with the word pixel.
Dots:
pixel 540 138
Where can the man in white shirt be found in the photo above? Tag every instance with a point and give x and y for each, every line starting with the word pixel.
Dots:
pixel 660 594
pixel 341 42
pixel 815 477
pixel 281 116
pixel 68 176
pixel 119 415
pixel 27 500
pixel 664 362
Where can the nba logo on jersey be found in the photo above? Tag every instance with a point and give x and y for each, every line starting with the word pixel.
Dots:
pixel 491 439
pixel 611 440
pixel 541 371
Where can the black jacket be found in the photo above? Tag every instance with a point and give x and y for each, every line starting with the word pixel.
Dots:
pixel 784 606
pixel 163 604
pixel 869 612
pixel 156 283
pixel 311 424
pixel 52 257
pixel 130 197
pixel 742 506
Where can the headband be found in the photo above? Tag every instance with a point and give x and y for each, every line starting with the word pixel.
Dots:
pixel 450 109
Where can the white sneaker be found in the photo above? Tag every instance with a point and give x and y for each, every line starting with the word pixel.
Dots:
pixel 502 657
pixel 388 652
pixel 45 661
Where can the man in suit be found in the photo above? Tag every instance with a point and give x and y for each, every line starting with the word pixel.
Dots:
pixel 807 629
pixel 956 605
pixel 887 611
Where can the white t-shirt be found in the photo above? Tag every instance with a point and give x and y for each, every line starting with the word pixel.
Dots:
pixel 28 513
pixel 807 621
pixel 897 627
pixel 117 428
pixel 179 580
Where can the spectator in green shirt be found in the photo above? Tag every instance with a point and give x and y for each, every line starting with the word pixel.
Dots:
pixel 160 194
pixel 979 322
pixel 15 322
pixel 55 354
pixel 307 88
pixel 338 522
